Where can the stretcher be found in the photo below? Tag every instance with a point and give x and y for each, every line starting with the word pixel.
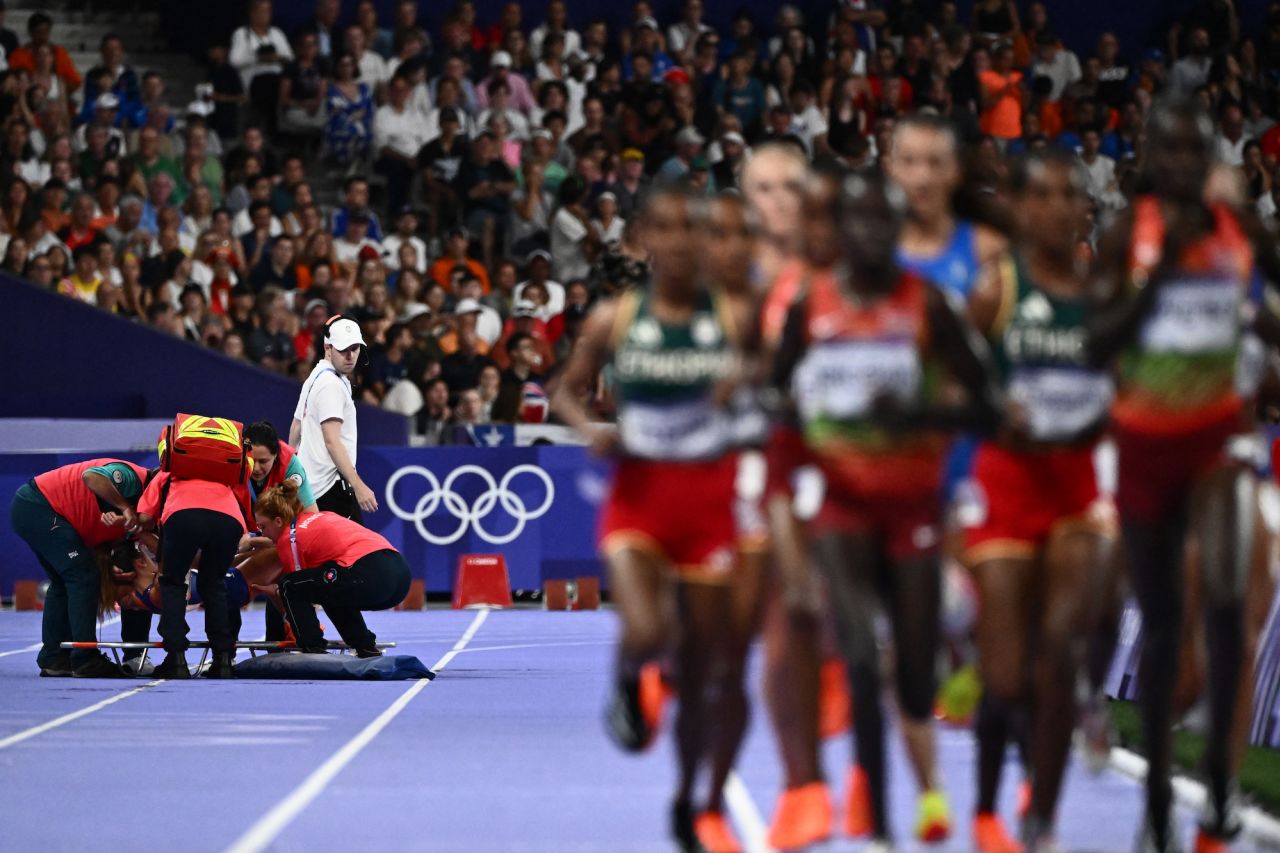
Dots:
pixel 253 646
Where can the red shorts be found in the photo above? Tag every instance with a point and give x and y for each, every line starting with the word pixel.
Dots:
pixel 785 453
pixel 680 512
pixel 1015 500
pixel 1156 472
pixel 906 526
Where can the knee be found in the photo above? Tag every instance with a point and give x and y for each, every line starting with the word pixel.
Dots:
pixel 643 637
pixel 1004 680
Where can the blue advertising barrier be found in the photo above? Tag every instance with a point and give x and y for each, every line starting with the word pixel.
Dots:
pixel 536 506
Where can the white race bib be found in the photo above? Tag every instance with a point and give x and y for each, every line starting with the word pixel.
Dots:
pixel 679 432
pixel 1198 316
pixel 841 379
pixel 1061 401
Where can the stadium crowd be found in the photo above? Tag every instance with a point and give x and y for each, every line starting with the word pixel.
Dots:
pixel 484 173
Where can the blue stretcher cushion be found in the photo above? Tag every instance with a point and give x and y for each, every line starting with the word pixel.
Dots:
pixel 305 667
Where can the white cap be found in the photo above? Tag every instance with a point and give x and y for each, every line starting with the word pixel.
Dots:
pixel 413 312
pixel 648 21
pixel 107 101
pixel 733 136
pixel 200 108
pixel 500 59
pixel 344 334
pixel 689 136
pixel 525 308
pixel 467 306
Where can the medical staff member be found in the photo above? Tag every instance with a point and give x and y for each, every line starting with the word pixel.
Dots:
pixel 324 425
pixel 196 516
pixel 274 462
pixel 331 561
pixel 60 514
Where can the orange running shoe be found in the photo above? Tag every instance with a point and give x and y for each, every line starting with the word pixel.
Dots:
pixel 835 705
pixel 990 836
pixel 715 834
pixel 1206 843
pixel 857 802
pixel 654 694
pixel 803 817
pixel 1024 799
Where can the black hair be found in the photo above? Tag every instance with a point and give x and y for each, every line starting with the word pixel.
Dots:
pixel 38 19
pixel 111 36
pixel 262 433
pixel 1020 175
pixel 258 205
pixel 515 340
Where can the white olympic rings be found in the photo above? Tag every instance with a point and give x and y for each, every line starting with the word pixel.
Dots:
pixel 495 493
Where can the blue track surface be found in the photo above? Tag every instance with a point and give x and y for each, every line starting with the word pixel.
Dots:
pixel 503 752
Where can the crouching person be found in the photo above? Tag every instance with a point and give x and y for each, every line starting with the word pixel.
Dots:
pixel 333 562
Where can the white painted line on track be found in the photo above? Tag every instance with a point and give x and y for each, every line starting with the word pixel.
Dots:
pixel 35 647
pixel 536 646
pixel 1258 825
pixel 271 824
pixel 74 715
pixel 755 834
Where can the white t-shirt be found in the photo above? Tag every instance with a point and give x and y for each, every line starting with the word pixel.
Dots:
pixel 555 298
pixel 403 132
pixel 325 395
pixel 567 233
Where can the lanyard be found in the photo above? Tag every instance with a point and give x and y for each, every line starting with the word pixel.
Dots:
pixel 293 545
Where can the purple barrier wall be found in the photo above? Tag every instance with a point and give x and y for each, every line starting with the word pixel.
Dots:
pixel 74 361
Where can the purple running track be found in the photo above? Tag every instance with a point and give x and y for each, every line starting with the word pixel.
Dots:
pixel 505 751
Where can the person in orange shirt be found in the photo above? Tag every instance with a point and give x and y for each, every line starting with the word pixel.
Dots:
pixel 455 255
pixel 331 561
pixel 197 515
pixel 39 27
pixel 1002 96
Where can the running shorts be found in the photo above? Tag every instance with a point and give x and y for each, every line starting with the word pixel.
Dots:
pixel 1156 472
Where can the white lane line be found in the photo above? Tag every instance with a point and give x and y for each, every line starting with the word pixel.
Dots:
pixel 537 646
pixel 1258 825
pixel 755 834
pixel 74 715
pixel 35 647
pixel 270 825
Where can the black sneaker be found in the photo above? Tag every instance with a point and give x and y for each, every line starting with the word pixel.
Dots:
pixel 682 828
pixel 99 666
pixel 173 666
pixel 371 652
pixel 60 668
pixel 623 718
pixel 223 666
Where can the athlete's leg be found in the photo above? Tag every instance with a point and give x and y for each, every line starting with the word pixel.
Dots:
pixel 731 707
pixel 703 609
pixel 852 564
pixel 1070 560
pixel 1154 551
pixel 791 631
pixel 1224 519
pixel 915 590
pixel 638 587
pixel 1005 599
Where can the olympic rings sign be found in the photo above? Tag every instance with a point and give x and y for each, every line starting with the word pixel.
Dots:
pixel 470 516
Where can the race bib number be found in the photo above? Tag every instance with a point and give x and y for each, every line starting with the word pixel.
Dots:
pixel 1061 402
pixel 694 430
pixel 841 379
pixel 1194 317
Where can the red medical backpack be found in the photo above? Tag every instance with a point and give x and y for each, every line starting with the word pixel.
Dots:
pixel 200 448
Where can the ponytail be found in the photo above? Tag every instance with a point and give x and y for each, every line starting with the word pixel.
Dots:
pixel 280 502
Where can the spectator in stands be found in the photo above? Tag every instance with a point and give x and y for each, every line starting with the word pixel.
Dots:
pixel 573 245
pixel 404 22
pixel 259 51
pixel 500 69
pixel 79 231
pixel 349 113
pixel 485 184
pixel 40 28
pixel 430 422
pixel 324 23
pixel 1192 71
pixel 372 68
pixel 302 87
pixel 351 247
pixel 398 136
pixel 1002 96
pixel 124 80
pixel 276 269
pixel 538 268
pixel 995 20
pixel 84 279
pixel 406 234
pixel 271 343
pixel 228 91
pixel 461 370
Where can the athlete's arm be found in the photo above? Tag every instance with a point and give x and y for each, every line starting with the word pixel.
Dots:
pixel 332 431
pixel 1115 316
pixel 103 488
pixel 965 352
pixel 578 379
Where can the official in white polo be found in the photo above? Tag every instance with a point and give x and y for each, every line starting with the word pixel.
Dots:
pixel 324 425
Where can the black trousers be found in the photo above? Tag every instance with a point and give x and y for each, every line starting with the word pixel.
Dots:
pixel 215 535
pixel 341 499
pixel 377 581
